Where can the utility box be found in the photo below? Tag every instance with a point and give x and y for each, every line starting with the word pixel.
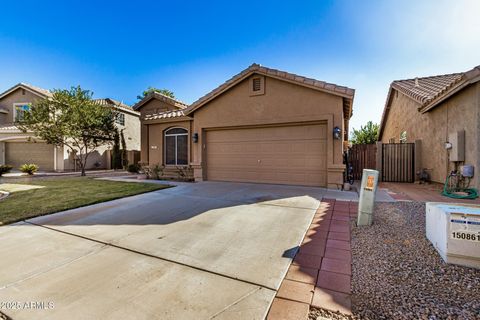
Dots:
pixel 454 230
pixel 457 140
pixel 366 202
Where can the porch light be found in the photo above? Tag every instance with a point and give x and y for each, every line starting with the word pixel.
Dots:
pixel 337 133
pixel 195 137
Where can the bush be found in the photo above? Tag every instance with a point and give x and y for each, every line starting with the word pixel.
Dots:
pixel 5 168
pixel 133 168
pixel 29 168
pixel 152 172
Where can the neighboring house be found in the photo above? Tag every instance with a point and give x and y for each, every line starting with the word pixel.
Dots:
pixel 263 125
pixel 17 148
pixel 431 110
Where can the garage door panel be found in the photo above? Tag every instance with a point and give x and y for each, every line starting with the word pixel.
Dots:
pixel 285 155
pixel 19 153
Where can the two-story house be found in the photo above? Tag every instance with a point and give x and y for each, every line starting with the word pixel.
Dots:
pixel 17 148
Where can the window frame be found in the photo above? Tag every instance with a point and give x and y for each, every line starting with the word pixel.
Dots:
pixel 176 135
pixel 15 105
pixel 117 116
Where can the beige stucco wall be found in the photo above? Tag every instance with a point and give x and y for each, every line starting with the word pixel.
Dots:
pixel 152 147
pixel 460 112
pixel 282 103
pixel 18 96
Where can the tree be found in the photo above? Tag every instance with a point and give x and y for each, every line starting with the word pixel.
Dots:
pixel 165 92
pixel 72 119
pixel 365 135
pixel 116 154
pixel 124 150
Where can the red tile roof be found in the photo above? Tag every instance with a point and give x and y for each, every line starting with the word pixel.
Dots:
pixel 165 115
pixel 430 92
pixel 426 89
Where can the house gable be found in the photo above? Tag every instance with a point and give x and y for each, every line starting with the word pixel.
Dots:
pixel 282 102
pixel 262 73
pixel 9 98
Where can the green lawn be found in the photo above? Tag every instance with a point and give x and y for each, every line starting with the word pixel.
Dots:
pixel 44 196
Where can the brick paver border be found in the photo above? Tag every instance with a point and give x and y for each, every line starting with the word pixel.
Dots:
pixel 320 275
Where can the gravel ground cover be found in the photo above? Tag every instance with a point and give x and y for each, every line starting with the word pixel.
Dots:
pixel 397 273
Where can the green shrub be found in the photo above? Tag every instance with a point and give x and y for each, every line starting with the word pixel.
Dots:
pixel 29 168
pixel 133 168
pixel 5 168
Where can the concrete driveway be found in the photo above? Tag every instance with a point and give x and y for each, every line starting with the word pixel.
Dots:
pixel 196 251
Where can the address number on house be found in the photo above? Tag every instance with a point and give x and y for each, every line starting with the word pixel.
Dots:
pixel 460 235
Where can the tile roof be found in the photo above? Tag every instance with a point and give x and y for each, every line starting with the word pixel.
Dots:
pixel 109 101
pixel 117 104
pixel 291 77
pixel 8 128
pixel 427 89
pixel 165 115
pixel 429 92
pixel 37 90
pixel 156 95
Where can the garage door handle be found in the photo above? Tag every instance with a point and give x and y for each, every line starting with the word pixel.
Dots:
pixel 259 161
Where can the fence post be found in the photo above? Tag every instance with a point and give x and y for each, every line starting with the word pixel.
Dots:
pixel 379 160
pixel 417 154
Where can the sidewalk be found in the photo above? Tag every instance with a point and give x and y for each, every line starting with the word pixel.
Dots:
pixel 320 275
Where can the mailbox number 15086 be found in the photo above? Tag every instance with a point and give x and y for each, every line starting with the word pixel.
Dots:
pixel 465 236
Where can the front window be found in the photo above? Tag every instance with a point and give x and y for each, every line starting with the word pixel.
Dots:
pixel 20 109
pixel 176 146
pixel 120 118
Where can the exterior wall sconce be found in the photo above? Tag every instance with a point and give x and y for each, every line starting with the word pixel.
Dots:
pixel 195 137
pixel 337 133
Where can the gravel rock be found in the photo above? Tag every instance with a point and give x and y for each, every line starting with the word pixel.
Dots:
pixel 322 314
pixel 397 273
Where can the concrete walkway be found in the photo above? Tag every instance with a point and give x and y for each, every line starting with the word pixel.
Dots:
pixel 199 250
pixel 320 275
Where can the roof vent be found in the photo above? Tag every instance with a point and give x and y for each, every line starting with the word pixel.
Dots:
pixel 257 84
pixel 416 82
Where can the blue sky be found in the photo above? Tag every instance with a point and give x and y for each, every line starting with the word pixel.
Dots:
pixel 118 48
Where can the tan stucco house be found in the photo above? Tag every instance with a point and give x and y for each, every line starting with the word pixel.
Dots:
pixel 432 110
pixel 17 148
pixel 263 125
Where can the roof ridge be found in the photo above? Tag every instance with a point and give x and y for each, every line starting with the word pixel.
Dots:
pixel 430 77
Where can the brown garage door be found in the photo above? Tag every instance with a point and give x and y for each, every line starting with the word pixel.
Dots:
pixel 18 153
pixel 284 155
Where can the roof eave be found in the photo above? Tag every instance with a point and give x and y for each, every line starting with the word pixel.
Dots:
pixel 156 95
pixel 386 110
pixel 166 120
